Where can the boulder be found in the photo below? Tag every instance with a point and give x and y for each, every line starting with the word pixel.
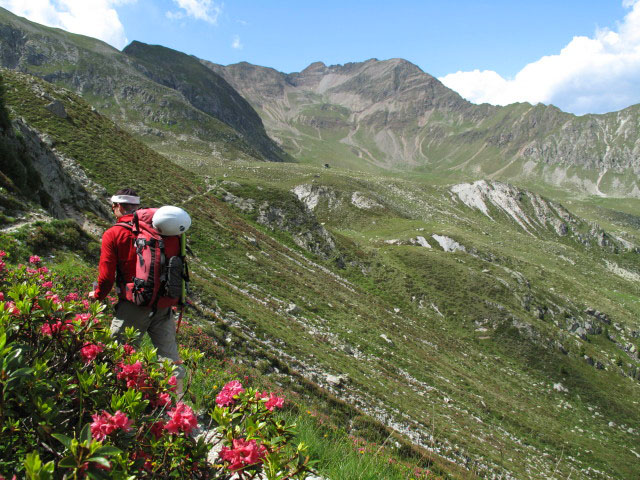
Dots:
pixel 292 309
pixel 57 108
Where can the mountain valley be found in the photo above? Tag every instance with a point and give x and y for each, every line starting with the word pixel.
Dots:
pixel 465 276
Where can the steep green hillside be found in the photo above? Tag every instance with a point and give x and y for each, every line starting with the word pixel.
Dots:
pixel 517 355
pixel 222 124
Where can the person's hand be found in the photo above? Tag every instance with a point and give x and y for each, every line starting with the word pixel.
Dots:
pixel 92 295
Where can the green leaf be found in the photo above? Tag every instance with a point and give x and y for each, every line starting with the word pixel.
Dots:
pixel 63 439
pixel 101 460
pixel 67 462
pixel 107 450
pixel 32 463
pixel 22 372
pixel 85 434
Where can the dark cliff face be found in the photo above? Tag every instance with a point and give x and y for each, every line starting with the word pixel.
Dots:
pixel 205 90
pixel 168 88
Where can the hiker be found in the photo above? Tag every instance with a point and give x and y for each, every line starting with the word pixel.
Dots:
pixel 118 265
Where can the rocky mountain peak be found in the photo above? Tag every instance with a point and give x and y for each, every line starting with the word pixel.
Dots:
pixel 315 67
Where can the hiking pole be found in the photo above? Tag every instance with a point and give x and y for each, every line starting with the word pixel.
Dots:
pixel 183 293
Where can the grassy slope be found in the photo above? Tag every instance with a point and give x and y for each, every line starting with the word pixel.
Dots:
pixel 486 399
pixel 105 78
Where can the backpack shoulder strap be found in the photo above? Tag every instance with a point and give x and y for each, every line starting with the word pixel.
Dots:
pixel 127 225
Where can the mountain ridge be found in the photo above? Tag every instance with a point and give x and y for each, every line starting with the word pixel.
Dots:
pixel 397 116
pixel 119 85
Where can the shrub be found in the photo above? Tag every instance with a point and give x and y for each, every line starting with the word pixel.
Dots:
pixel 74 403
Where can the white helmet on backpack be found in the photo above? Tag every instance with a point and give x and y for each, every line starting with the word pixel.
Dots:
pixel 171 220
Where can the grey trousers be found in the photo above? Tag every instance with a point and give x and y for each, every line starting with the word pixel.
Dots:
pixel 160 326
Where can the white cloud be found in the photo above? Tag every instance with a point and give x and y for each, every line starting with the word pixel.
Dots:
pixel 236 43
pixel 95 18
pixel 205 10
pixel 590 75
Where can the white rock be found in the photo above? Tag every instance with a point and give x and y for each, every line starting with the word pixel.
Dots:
pixel 358 200
pixel 448 244
pixel 560 388
pixel 422 242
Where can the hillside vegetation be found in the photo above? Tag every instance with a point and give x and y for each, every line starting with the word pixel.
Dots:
pixel 509 346
pixel 153 107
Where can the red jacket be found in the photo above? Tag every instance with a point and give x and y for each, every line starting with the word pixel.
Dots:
pixel 116 255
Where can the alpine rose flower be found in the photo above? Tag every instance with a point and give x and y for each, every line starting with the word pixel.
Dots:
pixel 128 349
pixel 133 374
pixel 90 351
pixel 50 329
pixel 225 397
pixel 72 297
pixel 34 259
pixel 182 418
pixel 105 424
pixel 273 402
pixel 243 453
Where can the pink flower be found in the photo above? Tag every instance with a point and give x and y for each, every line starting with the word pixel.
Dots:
pixel 43 270
pixel 72 297
pixel 2 265
pixel 11 307
pixel 133 374
pixel 182 418
pixel 3 253
pixel 83 318
pixel 101 426
pixel 105 424
pixel 32 271
pixel 121 421
pixel 173 382
pixel 273 402
pixel 1 297
pixel 48 284
pixel 243 453
pixel 85 304
pixel 225 397
pixel 34 259
pixel 163 400
pixel 128 349
pixel 90 351
pixel 50 329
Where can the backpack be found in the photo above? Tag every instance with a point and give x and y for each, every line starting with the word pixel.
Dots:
pixel 160 266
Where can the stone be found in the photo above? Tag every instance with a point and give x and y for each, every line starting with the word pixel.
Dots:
pixel 292 309
pixel 581 332
pixel 422 242
pixel 251 240
pixel 386 339
pixel 57 108
pixel 558 387
pixel 336 380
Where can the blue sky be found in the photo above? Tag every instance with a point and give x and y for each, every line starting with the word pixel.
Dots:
pixel 579 55
pixel 441 37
